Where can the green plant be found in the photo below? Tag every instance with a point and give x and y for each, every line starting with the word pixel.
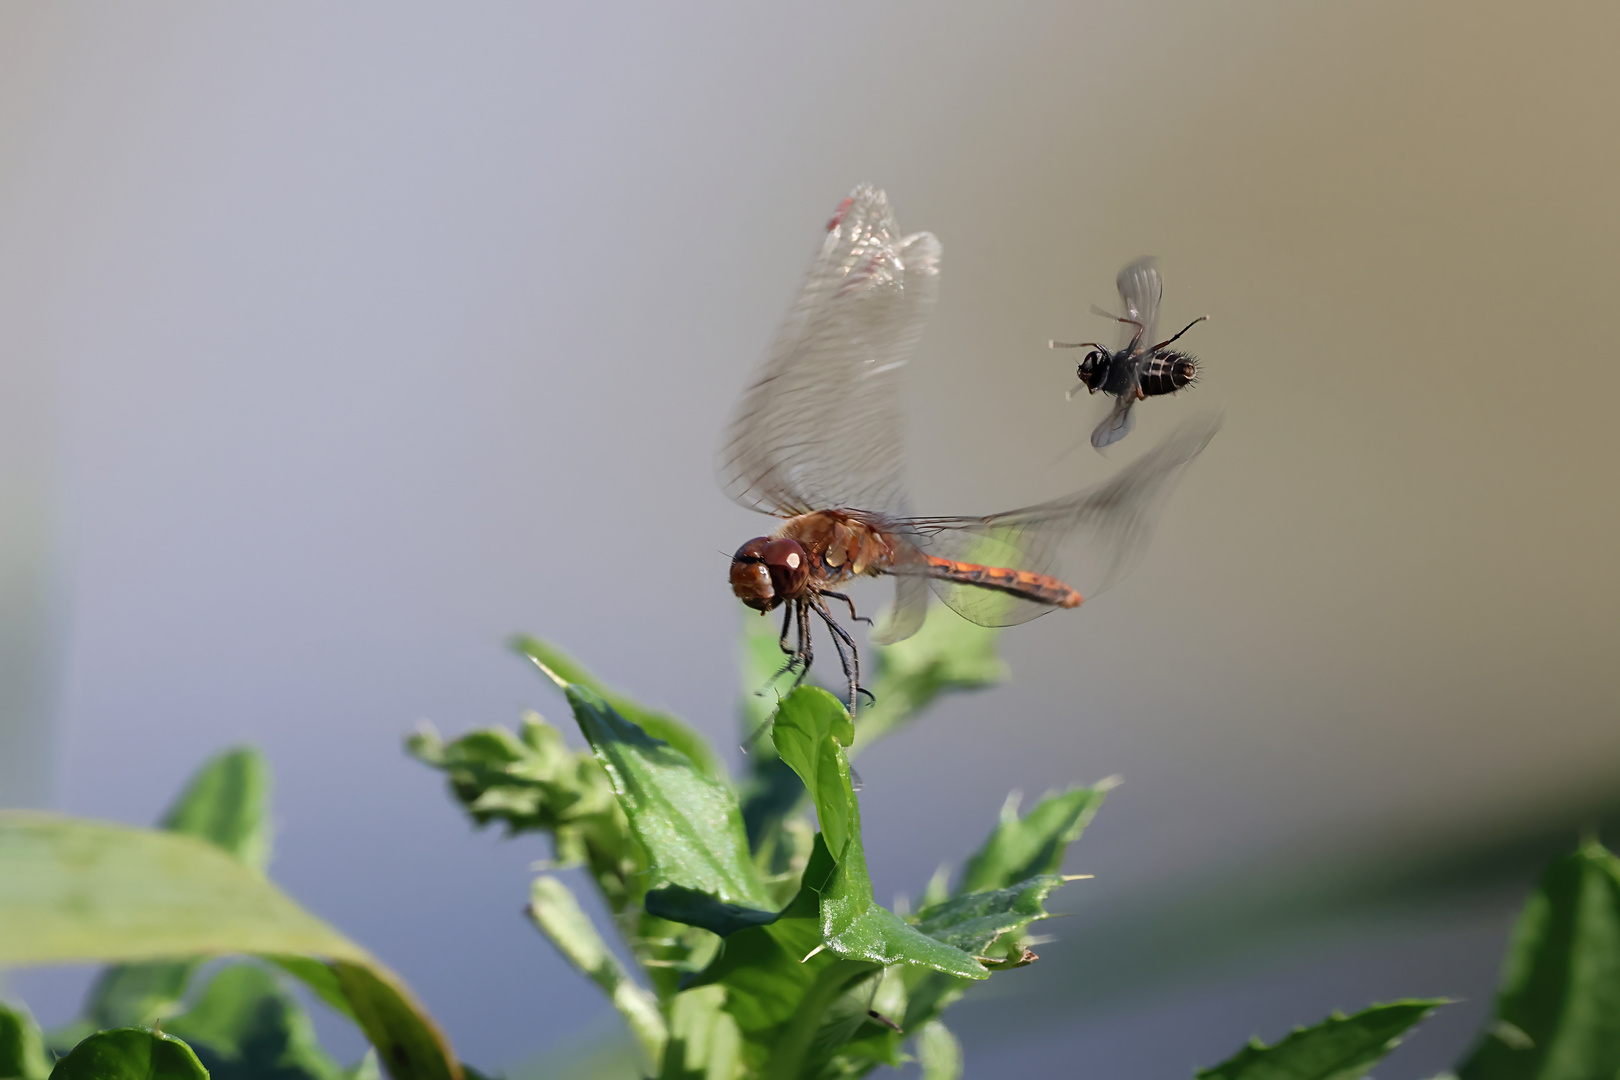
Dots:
pixel 755 945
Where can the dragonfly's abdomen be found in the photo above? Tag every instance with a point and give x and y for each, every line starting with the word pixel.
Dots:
pixel 1167 371
pixel 1042 588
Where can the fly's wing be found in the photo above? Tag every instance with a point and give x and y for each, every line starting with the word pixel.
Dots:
pixel 1117 424
pixel 1108 526
pixel 1139 291
pixel 820 425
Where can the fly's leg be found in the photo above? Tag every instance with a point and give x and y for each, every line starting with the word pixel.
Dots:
pixel 854 617
pixel 1184 329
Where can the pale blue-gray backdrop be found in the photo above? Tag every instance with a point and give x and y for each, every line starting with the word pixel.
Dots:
pixel 340 343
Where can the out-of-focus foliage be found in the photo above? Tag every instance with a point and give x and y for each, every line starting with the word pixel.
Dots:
pixel 1558 1009
pixel 131 1053
pixel 160 902
pixel 756 945
pixel 1339 1048
pixel 22 1046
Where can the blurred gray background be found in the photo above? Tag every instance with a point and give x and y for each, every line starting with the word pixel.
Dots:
pixel 339 343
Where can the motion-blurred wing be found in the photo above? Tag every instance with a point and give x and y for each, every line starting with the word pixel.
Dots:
pixel 820 426
pixel 1139 293
pixel 1117 424
pixel 1107 528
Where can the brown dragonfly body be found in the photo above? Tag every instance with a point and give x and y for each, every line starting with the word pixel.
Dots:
pixel 818 434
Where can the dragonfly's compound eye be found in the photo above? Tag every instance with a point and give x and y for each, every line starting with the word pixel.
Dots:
pixel 751 577
pixel 789 566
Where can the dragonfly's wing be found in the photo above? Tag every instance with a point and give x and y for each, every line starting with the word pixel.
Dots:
pixel 906 616
pixel 820 425
pixel 1139 293
pixel 1117 424
pixel 1098 532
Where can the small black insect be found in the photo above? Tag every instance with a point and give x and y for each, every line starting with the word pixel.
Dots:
pixel 1134 370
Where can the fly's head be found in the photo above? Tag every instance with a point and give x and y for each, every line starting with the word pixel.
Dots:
pixel 769 570
pixel 1094 368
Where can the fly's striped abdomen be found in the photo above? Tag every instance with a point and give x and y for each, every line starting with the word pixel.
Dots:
pixel 1167 371
pixel 1041 588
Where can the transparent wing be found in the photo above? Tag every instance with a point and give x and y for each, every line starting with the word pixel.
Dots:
pixel 1139 292
pixel 820 425
pixel 1117 424
pixel 1099 533
pixel 907 614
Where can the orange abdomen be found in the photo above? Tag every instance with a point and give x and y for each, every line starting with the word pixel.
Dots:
pixel 1042 588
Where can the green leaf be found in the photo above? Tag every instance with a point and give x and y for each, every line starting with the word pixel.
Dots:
pixel 704 1043
pixel 779 982
pixel 246 1026
pixel 1558 1009
pixel 131 1053
pixel 686 821
pixel 1021 848
pixel 938 1052
pixel 973 921
pixel 660 725
pixel 22 1047
pixel 227 803
pixel 532 782
pixel 810 733
pixel 1339 1048
pixel 555 911
pixel 77 891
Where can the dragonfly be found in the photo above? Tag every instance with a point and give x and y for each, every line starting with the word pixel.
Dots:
pixel 1135 370
pixel 816 440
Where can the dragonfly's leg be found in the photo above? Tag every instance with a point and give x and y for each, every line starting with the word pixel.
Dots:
pixel 851 603
pixel 787 622
pixel 793 654
pixel 851 661
pixel 796 656
pixel 805 654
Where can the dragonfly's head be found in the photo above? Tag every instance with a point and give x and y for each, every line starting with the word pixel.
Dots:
pixel 1093 370
pixel 768 570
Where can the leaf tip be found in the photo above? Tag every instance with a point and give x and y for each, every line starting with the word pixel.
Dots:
pixel 562 683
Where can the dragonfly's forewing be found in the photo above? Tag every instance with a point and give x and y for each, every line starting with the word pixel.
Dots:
pixel 1107 526
pixel 820 425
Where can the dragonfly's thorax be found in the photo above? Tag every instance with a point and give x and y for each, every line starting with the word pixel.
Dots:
pixel 840 545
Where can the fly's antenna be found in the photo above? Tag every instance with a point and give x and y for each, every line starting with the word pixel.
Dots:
pixel 1184 329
